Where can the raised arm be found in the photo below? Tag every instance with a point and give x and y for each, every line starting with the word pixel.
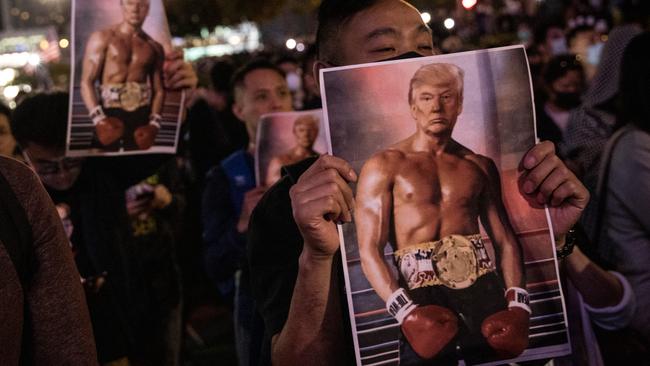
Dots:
pixel 313 332
pixel 157 80
pixel 93 62
pixel 372 218
pixel 497 224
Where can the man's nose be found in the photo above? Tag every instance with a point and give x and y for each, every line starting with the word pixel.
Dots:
pixel 436 105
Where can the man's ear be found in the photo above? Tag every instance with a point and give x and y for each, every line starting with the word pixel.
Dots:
pixel 413 109
pixel 238 111
pixel 318 65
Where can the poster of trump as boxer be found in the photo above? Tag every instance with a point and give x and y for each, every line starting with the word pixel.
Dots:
pixel 286 138
pixel 119 104
pixel 445 262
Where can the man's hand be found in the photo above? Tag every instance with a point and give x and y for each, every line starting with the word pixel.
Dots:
pixel 145 136
pixel 177 73
pixel 545 179
pixel 251 198
pixel 109 130
pixel 161 197
pixel 320 199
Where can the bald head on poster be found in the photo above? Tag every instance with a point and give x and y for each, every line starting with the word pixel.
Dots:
pixel 121 81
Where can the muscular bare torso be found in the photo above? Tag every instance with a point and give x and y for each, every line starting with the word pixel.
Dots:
pixel 434 195
pixel 128 57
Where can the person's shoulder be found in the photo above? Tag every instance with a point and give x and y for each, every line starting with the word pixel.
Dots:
pixel 155 44
pixel 17 173
pixel 386 159
pixel 101 36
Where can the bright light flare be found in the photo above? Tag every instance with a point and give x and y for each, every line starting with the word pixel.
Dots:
pixel 426 17
pixel 291 43
pixel 449 23
pixel 468 4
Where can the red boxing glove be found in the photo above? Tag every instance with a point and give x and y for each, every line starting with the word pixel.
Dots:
pixel 109 130
pixel 507 331
pixel 428 329
pixel 145 136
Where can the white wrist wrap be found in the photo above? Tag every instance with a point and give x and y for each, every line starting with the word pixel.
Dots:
pixel 399 305
pixel 518 297
pixel 155 120
pixel 97 115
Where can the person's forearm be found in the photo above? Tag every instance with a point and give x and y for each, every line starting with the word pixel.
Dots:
pixel 598 287
pixel 512 265
pixel 313 332
pixel 157 103
pixel 88 95
pixel 377 273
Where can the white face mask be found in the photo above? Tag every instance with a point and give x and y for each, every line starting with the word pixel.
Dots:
pixel 593 53
pixel 294 81
pixel 559 47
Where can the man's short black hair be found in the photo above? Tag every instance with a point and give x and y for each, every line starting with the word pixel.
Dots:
pixel 220 74
pixel 258 64
pixel 41 119
pixel 332 14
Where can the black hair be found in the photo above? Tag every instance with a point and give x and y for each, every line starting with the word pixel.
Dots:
pixel 257 64
pixel 634 90
pixel 41 119
pixel 5 110
pixel 559 66
pixel 332 14
pixel 220 74
pixel 541 30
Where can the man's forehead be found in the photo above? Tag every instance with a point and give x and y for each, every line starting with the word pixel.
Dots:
pixel 263 79
pixel 383 17
pixel 446 83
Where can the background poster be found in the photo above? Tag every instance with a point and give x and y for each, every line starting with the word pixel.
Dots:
pixel 91 16
pixel 276 136
pixel 366 110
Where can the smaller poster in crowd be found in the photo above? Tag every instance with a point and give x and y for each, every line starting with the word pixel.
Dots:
pixel 445 262
pixel 285 138
pixel 119 104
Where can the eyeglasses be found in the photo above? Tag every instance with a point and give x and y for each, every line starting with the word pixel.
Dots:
pixel 53 166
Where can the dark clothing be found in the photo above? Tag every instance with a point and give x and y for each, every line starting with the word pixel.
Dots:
pixel 211 136
pixel 58 323
pixel 152 254
pixel 100 236
pixel 225 188
pixel 132 121
pixel 221 207
pixel 469 344
pixel 547 130
pixel 274 246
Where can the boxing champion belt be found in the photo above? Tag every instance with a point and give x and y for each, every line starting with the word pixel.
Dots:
pixel 130 96
pixel 455 263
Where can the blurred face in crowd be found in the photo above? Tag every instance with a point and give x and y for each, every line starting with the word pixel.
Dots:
pixel 7 141
pixel 388 29
pixel 134 12
pixel 263 91
pixel 53 168
pixel 566 90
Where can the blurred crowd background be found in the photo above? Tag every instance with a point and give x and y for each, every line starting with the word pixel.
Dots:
pixel 573 48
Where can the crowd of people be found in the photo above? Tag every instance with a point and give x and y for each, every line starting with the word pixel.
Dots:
pixel 122 260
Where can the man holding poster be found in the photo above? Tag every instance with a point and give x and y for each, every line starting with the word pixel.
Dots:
pixel 127 63
pixel 425 195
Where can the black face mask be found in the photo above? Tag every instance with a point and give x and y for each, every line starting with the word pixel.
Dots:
pixel 404 56
pixel 567 101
